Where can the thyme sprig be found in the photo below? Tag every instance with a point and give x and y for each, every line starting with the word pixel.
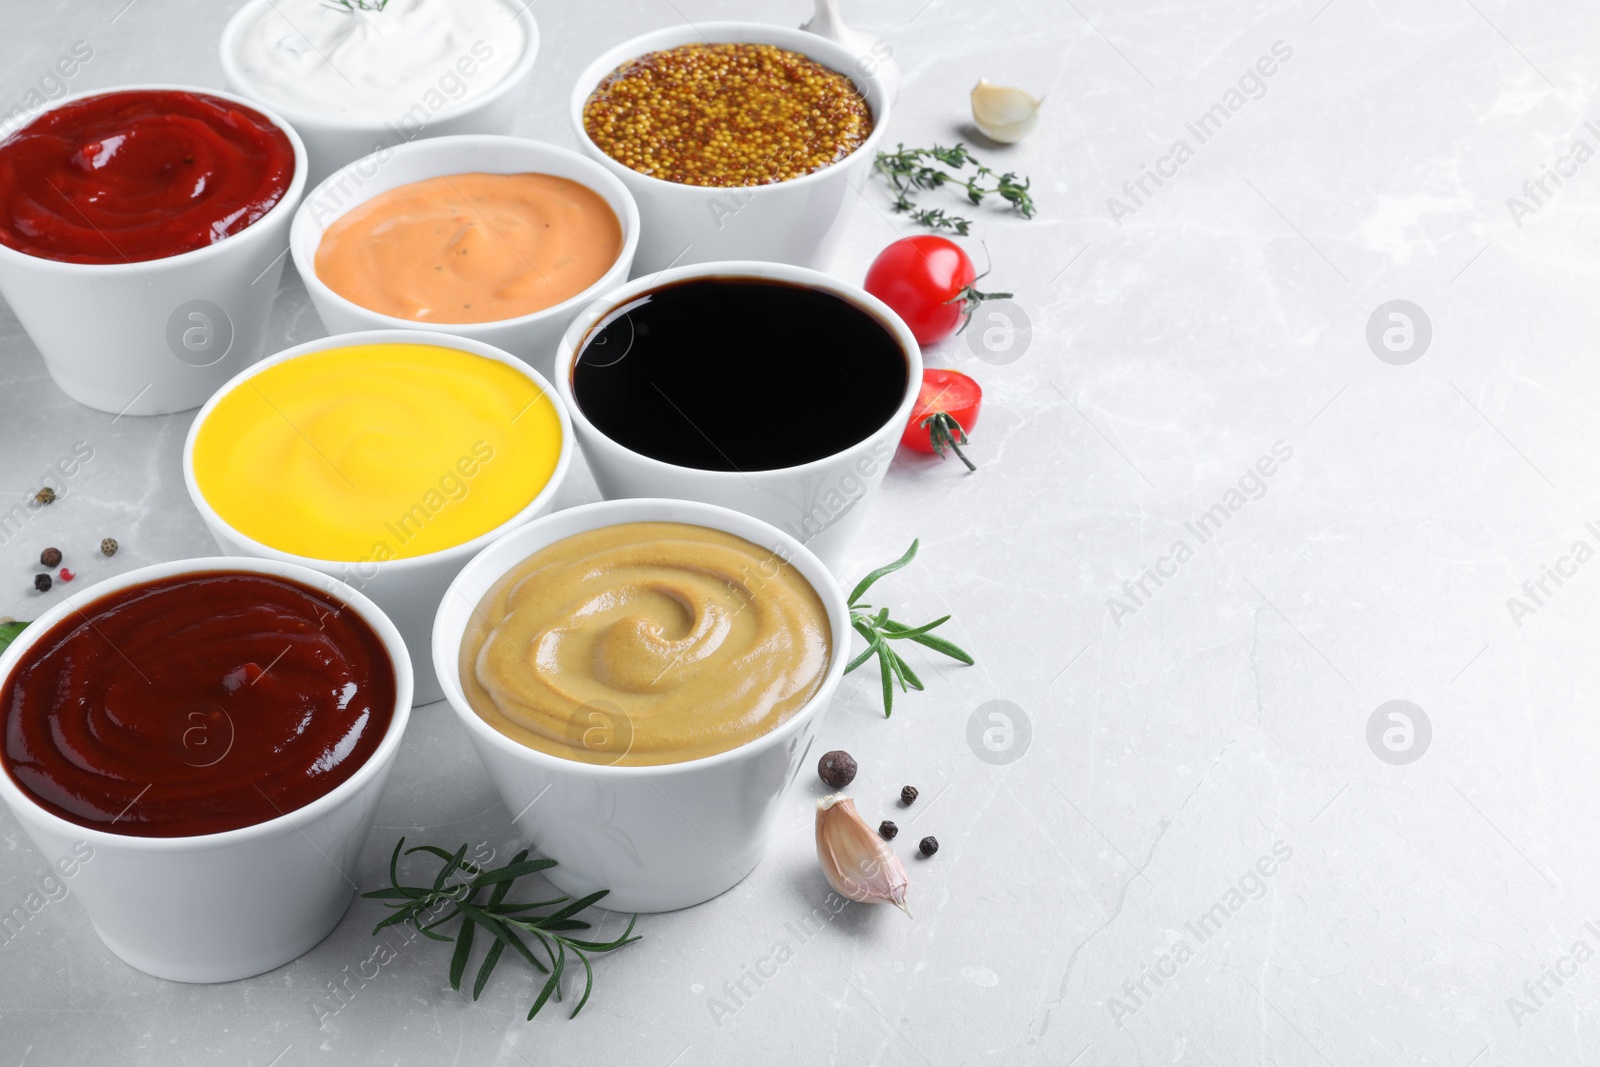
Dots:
pixel 500 920
pixel 911 169
pixel 879 630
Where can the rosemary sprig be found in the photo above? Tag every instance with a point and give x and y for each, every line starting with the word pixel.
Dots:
pixel 913 169
pixel 500 920
pixel 879 630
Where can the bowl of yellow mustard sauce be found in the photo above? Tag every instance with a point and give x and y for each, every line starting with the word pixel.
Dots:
pixel 643 680
pixel 386 459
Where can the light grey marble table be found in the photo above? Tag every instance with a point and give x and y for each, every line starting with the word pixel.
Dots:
pixel 1209 841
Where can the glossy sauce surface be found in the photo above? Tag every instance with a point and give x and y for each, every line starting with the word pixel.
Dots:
pixel 645 643
pixel 471 247
pixel 739 374
pixel 134 176
pixel 196 704
pixel 377 452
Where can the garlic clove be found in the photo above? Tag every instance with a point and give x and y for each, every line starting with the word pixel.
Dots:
pixel 1004 114
pixel 858 863
pixel 874 56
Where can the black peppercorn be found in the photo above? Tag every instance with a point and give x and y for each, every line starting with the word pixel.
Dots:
pixel 50 557
pixel 887 830
pixel 929 845
pixel 108 547
pixel 42 582
pixel 908 794
pixel 837 768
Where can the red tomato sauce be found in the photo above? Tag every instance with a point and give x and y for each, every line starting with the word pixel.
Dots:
pixel 133 176
pixel 196 704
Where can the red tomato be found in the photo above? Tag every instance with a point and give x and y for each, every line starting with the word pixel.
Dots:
pixel 923 279
pixel 948 391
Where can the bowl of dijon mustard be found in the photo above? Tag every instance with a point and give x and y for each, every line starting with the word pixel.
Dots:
pixel 643 679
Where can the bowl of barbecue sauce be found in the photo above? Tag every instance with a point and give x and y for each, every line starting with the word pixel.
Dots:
pixel 774 390
pixel 208 740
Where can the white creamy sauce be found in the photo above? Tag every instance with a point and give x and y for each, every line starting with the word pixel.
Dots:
pixel 421 57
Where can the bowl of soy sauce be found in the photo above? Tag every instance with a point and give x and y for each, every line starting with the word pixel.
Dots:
pixel 775 390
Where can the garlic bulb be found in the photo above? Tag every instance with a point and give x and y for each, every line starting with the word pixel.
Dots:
pixel 859 864
pixel 874 55
pixel 1003 114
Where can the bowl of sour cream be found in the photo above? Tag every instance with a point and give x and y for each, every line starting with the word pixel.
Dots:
pixel 356 76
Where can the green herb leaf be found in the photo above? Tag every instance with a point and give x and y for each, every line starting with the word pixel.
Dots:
pixel 489 960
pixel 458 961
pixel 9 631
pixel 938 644
pixel 866 583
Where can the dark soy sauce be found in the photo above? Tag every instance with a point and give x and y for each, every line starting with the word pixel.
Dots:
pixel 739 374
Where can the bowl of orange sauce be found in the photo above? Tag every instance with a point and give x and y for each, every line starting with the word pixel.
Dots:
pixel 495 239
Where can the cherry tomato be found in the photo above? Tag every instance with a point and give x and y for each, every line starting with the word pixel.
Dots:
pixel 923 279
pixel 954 394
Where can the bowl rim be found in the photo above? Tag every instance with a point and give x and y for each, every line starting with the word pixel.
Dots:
pixel 304 253
pixel 286 205
pixel 839 59
pixel 371 337
pixel 394 645
pixel 233 72
pixel 569 347
pixel 446 640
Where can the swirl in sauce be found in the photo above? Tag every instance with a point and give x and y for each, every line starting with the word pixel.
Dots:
pixel 139 175
pixel 645 643
pixel 196 704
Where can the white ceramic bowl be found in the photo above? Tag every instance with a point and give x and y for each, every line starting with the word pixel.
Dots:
pixel 219 907
pixel 408 589
pixel 157 336
pixel 798 221
pixel 661 837
pixel 333 140
pixel 532 337
pixel 820 503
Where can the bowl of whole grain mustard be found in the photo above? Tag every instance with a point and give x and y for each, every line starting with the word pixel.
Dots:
pixel 643 680
pixel 738 140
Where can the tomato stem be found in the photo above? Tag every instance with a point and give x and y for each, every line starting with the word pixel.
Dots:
pixel 945 432
pixel 970 297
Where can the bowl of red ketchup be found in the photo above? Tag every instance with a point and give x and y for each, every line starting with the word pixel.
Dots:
pixel 205 743
pixel 142 236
